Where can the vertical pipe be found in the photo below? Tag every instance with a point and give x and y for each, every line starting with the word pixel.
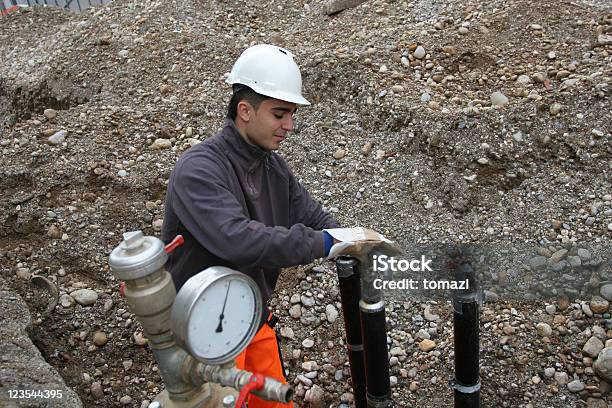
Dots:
pixel 374 335
pixel 350 292
pixel 467 340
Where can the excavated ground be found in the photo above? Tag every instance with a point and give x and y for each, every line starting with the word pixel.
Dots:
pixel 495 132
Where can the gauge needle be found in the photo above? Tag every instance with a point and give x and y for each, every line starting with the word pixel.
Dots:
pixel 221 316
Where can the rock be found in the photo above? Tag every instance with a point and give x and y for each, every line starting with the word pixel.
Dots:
pixel 23 273
pixel 160 144
pixel 307 301
pixel 397 88
pixel 57 137
pixel 523 80
pixel 140 339
pixel 603 365
pixel 561 378
pixel 538 263
pixel 50 113
pixel 429 316
pixel 310 366
pixel 575 386
pixel 549 372
pixel 158 224
pixel 96 390
pixel 592 347
pixel 287 332
pixel 604 39
pixel 85 297
pixel 108 305
pixel 544 329
pixel 67 300
pixel 339 154
pixel 419 53
pixel 126 400
pixel 308 343
pixel 555 108
pixel 596 403
pixel 315 396
pixel 606 291
pixel 367 148
pixel 54 232
pixel 599 305
pixel 427 345
pixel 295 311
pixel 100 338
pixel 127 364
pixel 498 99
pixel 331 313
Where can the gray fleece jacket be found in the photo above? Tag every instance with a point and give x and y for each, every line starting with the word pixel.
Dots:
pixel 240 206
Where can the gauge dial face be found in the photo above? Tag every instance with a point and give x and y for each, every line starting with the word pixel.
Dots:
pixel 216 314
pixel 221 318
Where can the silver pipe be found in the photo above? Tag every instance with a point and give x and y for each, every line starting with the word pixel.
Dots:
pixel 230 376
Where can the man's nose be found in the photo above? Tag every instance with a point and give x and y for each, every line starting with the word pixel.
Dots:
pixel 288 124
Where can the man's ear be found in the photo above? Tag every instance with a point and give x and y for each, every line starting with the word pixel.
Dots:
pixel 244 110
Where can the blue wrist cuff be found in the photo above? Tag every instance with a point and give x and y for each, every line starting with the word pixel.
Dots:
pixel 329 242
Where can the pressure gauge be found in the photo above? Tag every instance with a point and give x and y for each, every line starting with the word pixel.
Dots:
pixel 216 314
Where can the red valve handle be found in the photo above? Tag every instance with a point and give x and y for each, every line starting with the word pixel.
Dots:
pixel 177 241
pixel 256 382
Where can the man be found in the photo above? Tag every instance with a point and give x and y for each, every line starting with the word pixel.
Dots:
pixel 237 203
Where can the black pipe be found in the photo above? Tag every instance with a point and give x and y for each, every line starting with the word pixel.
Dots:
pixel 350 292
pixel 467 339
pixel 374 335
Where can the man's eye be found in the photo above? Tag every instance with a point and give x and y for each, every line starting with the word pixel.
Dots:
pixel 277 116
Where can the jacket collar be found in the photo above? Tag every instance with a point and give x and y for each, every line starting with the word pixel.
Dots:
pixel 247 152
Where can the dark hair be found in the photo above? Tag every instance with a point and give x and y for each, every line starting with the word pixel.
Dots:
pixel 243 93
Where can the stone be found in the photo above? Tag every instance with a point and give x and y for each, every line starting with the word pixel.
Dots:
pixel 592 347
pixel 315 396
pixel 308 343
pixel 561 378
pixel 127 364
pixel 606 291
pixel 54 231
pixel 50 113
pixel 126 400
pixel 339 154
pixel 549 372
pixel 85 297
pixel 310 366
pixel 140 339
pixel 295 311
pixel 498 99
pixel 555 108
pixel 67 301
pixel 96 390
pixel 23 273
pixel 599 305
pixel 543 329
pixel 160 144
pixel 603 364
pixel 419 53
pixel 427 345
pixel 575 386
pixel 100 338
pixel 287 332
pixel 331 313
pixel 538 263
pixel 57 137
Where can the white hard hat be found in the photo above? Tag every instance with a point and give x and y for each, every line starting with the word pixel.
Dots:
pixel 271 71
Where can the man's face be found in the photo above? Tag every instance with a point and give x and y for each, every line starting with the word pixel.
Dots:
pixel 268 126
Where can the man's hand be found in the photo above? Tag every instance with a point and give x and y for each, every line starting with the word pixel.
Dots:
pixel 358 242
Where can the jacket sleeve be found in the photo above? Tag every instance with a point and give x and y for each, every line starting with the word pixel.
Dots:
pixel 209 210
pixel 306 210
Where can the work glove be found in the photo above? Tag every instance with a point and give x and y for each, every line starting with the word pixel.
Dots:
pixel 360 243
